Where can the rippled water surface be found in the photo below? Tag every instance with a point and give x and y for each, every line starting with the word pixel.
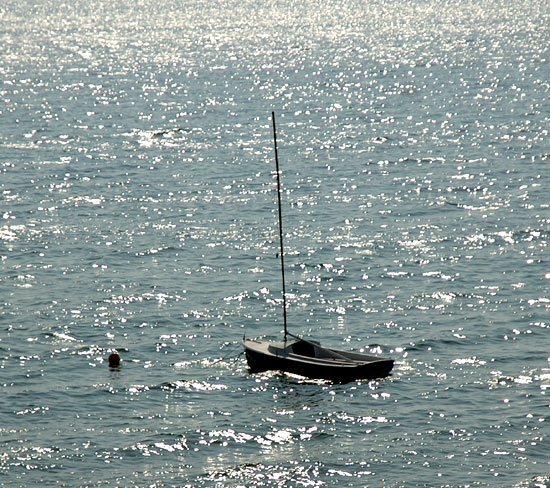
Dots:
pixel 137 208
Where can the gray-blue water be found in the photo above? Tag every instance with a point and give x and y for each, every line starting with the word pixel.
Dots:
pixel 137 207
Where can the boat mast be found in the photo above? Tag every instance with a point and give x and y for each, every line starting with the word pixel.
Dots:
pixel 280 220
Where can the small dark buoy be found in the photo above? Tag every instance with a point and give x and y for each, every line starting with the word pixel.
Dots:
pixel 114 360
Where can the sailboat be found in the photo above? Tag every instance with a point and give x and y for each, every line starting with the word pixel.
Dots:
pixel 305 357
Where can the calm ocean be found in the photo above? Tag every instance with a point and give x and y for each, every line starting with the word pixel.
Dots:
pixel 138 213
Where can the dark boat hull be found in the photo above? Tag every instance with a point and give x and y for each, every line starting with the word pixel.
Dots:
pixel 338 366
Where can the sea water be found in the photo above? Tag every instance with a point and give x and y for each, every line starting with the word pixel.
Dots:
pixel 138 214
